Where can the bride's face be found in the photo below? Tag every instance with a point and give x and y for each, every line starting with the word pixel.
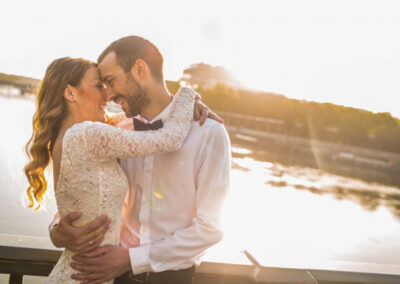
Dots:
pixel 91 98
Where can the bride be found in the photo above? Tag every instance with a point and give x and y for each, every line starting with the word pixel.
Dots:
pixel 69 129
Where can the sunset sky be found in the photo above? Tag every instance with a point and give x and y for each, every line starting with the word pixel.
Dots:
pixel 344 52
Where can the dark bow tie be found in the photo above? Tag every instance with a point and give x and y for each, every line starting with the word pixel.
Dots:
pixel 142 126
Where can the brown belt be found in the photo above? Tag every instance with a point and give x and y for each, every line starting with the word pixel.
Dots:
pixel 183 276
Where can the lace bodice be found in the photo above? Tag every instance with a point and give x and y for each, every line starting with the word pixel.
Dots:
pixel 91 180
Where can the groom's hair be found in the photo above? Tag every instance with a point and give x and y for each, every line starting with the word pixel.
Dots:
pixel 131 48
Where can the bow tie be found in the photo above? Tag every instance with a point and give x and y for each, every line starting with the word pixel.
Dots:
pixel 142 126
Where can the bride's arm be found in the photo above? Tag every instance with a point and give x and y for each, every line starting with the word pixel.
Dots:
pixel 111 142
pixel 200 113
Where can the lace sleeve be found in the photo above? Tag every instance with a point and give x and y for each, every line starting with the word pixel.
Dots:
pixel 110 142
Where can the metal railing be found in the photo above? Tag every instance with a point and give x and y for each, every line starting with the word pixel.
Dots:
pixel 20 261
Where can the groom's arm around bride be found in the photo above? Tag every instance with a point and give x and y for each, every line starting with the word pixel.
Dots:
pixel 183 247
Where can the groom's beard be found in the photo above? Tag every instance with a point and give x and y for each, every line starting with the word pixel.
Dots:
pixel 136 97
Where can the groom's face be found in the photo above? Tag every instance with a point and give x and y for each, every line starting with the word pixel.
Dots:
pixel 122 87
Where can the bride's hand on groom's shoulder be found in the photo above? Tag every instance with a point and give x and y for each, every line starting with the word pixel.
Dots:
pixel 201 112
pixel 79 239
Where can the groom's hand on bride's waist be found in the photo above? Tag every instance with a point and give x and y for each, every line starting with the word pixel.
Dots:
pixel 79 239
pixel 102 264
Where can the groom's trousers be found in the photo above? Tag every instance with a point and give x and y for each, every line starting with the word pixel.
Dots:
pixel 184 276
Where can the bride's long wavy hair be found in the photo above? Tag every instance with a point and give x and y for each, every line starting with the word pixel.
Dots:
pixel 51 109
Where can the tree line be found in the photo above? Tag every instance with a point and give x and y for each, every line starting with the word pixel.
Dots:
pixel 16 79
pixel 322 121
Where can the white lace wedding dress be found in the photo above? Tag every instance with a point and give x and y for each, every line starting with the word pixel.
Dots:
pixel 91 180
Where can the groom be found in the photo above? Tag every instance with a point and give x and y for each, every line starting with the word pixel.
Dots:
pixel 171 213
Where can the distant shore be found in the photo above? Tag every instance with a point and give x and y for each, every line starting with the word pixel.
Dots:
pixel 356 162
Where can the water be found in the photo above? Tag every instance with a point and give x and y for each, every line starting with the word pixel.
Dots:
pixel 284 216
pixel 298 217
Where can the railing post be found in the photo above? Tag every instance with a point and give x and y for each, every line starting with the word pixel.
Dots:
pixel 15 279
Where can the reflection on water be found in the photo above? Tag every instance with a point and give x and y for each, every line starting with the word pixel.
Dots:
pixel 369 195
pixel 284 215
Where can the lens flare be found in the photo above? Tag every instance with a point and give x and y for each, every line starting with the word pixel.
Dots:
pixel 158 194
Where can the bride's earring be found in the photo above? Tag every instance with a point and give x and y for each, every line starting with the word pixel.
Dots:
pixel 69 94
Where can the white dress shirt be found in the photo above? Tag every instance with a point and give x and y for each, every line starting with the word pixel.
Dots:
pixel 171 213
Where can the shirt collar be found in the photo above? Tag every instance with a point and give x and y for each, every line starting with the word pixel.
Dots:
pixel 163 115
